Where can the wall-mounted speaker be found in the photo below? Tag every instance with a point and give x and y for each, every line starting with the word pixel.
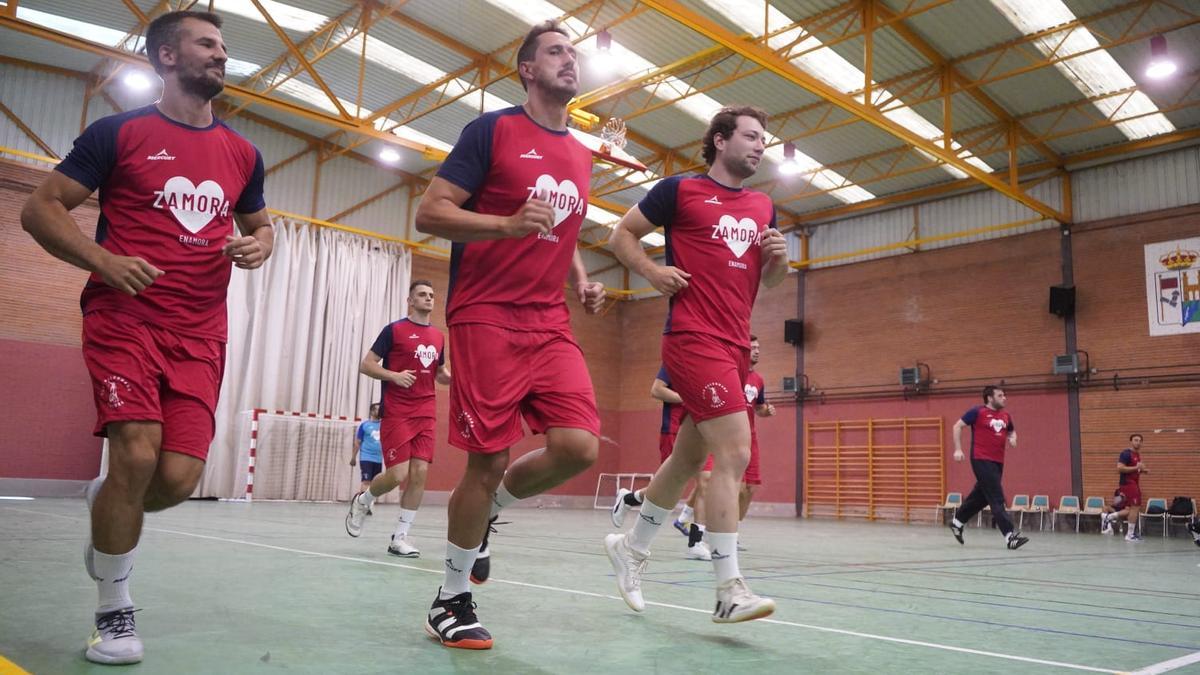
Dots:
pixel 1062 300
pixel 793 331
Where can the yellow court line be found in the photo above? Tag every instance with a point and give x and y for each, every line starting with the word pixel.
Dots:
pixel 9 668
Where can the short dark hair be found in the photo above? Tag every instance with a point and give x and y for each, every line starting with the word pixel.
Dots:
pixel 165 31
pixel 753 337
pixel 374 406
pixel 529 47
pixel 419 282
pixel 724 123
pixel 990 391
pixel 1133 436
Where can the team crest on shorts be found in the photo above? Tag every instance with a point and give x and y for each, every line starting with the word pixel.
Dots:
pixel 113 385
pixel 713 391
pixel 466 425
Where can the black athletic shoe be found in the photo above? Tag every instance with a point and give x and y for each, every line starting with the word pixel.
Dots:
pixel 957 532
pixel 453 623
pixel 482 568
pixel 1016 541
pixel 1195 528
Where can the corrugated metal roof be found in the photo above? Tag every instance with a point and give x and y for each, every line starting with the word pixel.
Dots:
pixel 954 29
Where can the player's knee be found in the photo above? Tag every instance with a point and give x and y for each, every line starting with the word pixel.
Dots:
pixel 732 457
pixel 580 454
pixel 417 473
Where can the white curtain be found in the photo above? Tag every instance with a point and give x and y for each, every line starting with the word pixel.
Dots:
pixel 298 328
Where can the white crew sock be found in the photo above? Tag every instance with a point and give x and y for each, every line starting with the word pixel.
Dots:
pixel 685 515
pixel 957 522
pixel 112 579
pixel 724 555
pixel 502 499
pixel 650 518
pixel 458 570
pixel 366 498
pixel 405 521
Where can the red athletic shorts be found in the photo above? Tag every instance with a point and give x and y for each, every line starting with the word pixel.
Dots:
pixel 708 373
pixel 752 475
pixel 666 443
pixel 403 438
pixel 502 376
pixel 1132 493
pixel 143 372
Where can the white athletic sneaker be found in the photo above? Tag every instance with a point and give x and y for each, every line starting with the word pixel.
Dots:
pixel 403 548
pixel 115 639
pixel 620 508
pixel 699 552
pixel 89 495
pixel 356 516
pixel 629 566
pixel 1133 536
pixel 736 603
pixel 1106 524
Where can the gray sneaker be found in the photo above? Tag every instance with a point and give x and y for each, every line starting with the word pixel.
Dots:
pixel 115 640
pixel 403 547
pixel 356 516
pixel 629 566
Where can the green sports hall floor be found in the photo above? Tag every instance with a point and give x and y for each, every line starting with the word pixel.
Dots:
pixel 278 587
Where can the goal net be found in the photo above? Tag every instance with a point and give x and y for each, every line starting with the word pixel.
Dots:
pixel 296 456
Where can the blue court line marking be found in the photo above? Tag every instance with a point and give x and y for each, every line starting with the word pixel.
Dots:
pixel 997 624
pixel 949 571
pixel 1109 617
pixel 960 591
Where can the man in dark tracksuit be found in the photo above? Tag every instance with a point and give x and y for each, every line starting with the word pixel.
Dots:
pixel 991 427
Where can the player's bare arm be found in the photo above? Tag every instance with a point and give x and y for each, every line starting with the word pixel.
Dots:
pixel 443 376
pixel 627 246
pixel 956 434
pixel 662 392
pixel 441 214
pixel 775 257
pixel 591 294
pixel 252 249
pixel 372 366
pixel 46 217
pixel 764 410
pixel 1012 439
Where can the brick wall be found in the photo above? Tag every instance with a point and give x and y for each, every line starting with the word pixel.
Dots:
pixel 1112 328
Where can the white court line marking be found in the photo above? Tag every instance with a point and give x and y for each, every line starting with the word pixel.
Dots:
pixel 823 629
pixel 1167 666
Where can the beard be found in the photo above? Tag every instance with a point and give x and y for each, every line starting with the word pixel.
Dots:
pixel 742 168
pixel 560 93
pixel 201 84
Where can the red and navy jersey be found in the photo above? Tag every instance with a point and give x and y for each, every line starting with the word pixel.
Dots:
pixel 989 432
pixel 672 413
pixel 714 233
pixel 168 193
pixel 408 345
pixel 756 394
pixel 504 159
pixel 1130 457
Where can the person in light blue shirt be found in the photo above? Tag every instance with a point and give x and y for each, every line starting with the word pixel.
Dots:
pixel 368 453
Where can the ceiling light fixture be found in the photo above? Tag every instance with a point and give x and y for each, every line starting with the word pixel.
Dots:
pixel 1161 65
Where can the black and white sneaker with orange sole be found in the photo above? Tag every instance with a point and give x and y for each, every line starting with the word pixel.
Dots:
pixel 482 569
pixel 453 623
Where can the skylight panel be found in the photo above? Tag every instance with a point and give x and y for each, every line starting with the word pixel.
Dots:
pixel 828 66
pixel 1093 74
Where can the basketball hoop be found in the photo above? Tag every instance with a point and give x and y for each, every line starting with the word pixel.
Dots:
pixel 612 135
